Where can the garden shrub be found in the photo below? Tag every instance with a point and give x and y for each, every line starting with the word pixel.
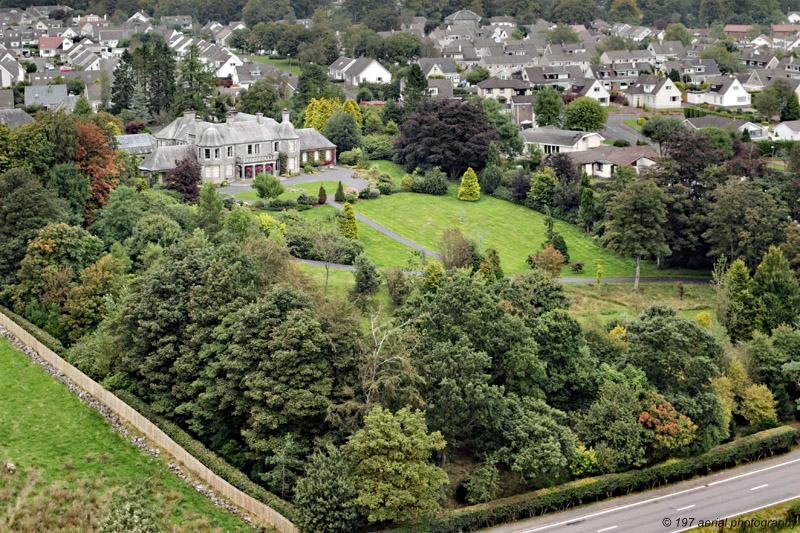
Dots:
pixel 399 285
pixel 502 193
pixel 377 146
pixel 309 168
pixel 350 157
pixel 433 181
pixel 407 183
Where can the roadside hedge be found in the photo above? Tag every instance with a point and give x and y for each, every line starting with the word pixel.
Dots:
pixel 218 465
pixel 40 335
pixel 583 491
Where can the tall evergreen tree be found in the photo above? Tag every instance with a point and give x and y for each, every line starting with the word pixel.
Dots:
pixel 416 85
pixel 160 78
pixel 791 111
pixel 195 84
pixel 139 104
pixel 124 76
pixel 776 286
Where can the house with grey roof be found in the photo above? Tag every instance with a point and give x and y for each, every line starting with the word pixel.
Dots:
pixel 47 96
pixel 619 76
pixel 502 90
pixel 462 17
pixel 552 76
pixel 603 161
pixel 6 99
pixel 664 50
pixel 722 91
pixel 440 66
pixel 756 131
pixel 355 71
pixel 692 70
pixel 138 144
pixel 241 147
pixel 14 117
pixel 552 140
pixel 653 92
pixel 590 88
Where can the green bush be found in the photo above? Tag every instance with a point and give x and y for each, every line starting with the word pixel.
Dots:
pixel 589 490
pixel 780 146
pixel 40 335
pixel 207 457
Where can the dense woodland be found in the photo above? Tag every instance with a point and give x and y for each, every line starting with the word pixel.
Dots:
pixel 190 301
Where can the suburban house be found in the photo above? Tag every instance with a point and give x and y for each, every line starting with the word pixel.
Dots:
pixel 722 91
pixel 241 147
pixel 756 131
pixel 462 17
pixel 602 162
pixel 502 90
pixel 138 144
pixel 787 131
pixel 551 76
pixel 440 66
pixel 14 117
pixel 664 50
pixel 552 140
pixel 47 96
pixel 627 56
pixel 53 46
pixel 737 32
pixel 654 92
pixel 355 71
pixel 590 88
pixel 692 70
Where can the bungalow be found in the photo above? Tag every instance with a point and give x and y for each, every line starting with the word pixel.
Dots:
pixel 602 162
pixel 664 50
pixel 355 71
pixel 552 140
pixel 692 70
pixel 756 132
pixel 654 92
pixel 551 76
pixel 617 77
pixel 787 131
pixel 737 32
pixel 440 67
pixel 722 91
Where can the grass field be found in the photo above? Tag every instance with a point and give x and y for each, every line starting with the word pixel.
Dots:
pixel 515 231
pixel 384 252
pixel 72 468
pixel 282 64
pixel 633 124
pixel 312 187
pixel 619 300
pixel 393 169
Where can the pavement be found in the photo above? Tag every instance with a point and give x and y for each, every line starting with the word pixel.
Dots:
pixel 682 506
pixel 345 175
pixel 617 129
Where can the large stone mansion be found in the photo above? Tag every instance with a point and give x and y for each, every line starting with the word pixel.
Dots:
pixel 241 147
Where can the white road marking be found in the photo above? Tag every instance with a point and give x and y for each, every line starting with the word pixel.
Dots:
pixel 542 528
pixel 760 486
pixel 684 508
pixel 753 472
pixel 606 529
pixel 747 512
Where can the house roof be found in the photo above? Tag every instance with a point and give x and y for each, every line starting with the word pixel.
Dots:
pixel 793 125
pixel 14 117
pixel 554 136
pixel 165 158
pixel 311 139
pixel 446 65
pixel 647 84
pixel 626 155
pixel 6 99
pixel 496 83
pixel 462 15
pixel 50 43
pixel 46 95
pixel 136 144
pixel 714 121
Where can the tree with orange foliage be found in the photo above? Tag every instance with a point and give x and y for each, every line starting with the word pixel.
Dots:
pixel 548 260
pixel 666 428
pixel 97 160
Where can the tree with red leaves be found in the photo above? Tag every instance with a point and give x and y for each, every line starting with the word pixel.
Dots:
pixel 97 160
pixel 447 134
pixel 184 178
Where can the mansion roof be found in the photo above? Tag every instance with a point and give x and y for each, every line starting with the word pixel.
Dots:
pixel 240 128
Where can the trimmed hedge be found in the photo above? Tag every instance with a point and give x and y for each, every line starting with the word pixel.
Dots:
pixel 589 490
pixel 218 465
pixel 40 335
pixel 780 146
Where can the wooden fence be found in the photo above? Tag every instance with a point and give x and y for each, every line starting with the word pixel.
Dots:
pixel 259 510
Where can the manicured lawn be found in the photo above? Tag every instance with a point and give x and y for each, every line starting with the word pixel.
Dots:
pixel 393 169
pixel 70 463
pixel 513 230
pixel 618 300
pixel 384 252
pixel 282 64
pixel 312 187
pixel 633 124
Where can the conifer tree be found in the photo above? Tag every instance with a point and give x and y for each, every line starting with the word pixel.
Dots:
pixel 348 225
pixel 82 108
pixel 775 285
pixel 139 105
pixel 493 158
pixel 366 275
pixel 210 210
pixel 339 196
pixel 469 190
pixel 791 110
pixel 351 108
pixel 323 196
pixel 122 89
pixel 325 497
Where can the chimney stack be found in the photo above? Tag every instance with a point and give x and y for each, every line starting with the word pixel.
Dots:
pixel 259 116
pixel 285 115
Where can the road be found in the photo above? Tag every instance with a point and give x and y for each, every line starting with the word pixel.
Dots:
pixel 680 507
pixel 617 129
